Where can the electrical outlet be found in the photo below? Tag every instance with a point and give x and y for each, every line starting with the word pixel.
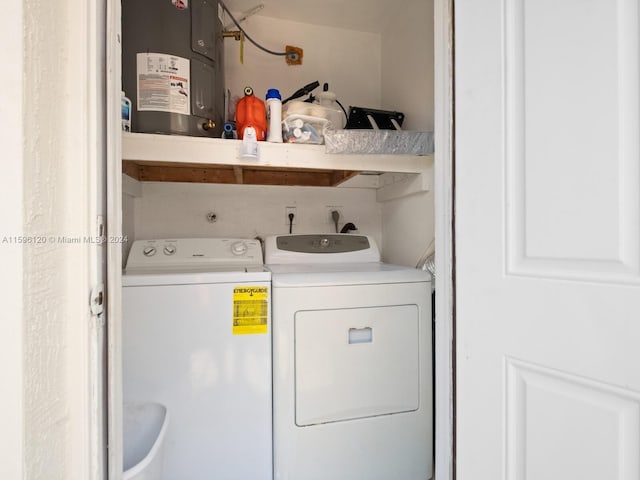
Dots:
pixel 329 209
pixel 287 211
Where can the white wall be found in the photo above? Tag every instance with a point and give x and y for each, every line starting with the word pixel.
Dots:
pixel 349 61
pixel 59 155
pixel 407 65
pixel 11 291
pixel 47 422
pixel 167 210
pixel 407 228
pixel 408 86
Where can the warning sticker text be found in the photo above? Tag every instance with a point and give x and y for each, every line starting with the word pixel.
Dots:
pixel 163 83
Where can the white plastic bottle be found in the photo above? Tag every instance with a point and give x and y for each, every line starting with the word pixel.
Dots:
pixel 249 145
pixel 274 116
pixel 126 113
pixel 332 110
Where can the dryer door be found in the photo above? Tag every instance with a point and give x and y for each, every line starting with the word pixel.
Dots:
pixel 356 362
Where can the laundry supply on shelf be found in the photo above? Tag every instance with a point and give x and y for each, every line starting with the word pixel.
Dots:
pixel 251 112
pixel 274 116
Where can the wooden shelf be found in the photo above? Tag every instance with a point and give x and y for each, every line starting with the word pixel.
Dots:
pixel 173 158
pixel 236 174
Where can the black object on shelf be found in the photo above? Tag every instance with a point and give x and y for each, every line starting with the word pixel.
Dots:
pixel 361 118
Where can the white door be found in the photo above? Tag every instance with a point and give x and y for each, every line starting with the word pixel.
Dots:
pixel 547 239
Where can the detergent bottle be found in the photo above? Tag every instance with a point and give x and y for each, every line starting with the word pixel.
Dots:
pixel 274 116
pixel 251 112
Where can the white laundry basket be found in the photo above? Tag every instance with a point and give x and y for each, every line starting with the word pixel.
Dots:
pixel 144 430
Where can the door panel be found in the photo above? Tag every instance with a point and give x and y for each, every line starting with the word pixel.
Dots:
pixel 547 239
pixel 546 427
pixel 571 115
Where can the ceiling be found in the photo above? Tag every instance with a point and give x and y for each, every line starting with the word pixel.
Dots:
pixel 361 15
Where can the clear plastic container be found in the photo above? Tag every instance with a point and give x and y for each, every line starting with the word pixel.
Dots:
pixel 316 110
pixel 304 129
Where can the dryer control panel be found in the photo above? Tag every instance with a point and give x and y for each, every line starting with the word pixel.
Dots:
pixel 321 248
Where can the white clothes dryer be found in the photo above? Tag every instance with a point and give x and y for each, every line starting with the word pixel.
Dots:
pixel 351 361
pixel 196 334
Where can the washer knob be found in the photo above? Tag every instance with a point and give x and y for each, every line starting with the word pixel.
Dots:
pixel 149 251
pixel 169 249
pixel 239 248
pixel 324 242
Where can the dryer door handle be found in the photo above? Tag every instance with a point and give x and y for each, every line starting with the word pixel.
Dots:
pixel 360 335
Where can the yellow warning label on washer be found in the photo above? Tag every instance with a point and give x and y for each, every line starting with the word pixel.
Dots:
pixel 250 309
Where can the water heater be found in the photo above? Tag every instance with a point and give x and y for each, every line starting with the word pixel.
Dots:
pixel 172 66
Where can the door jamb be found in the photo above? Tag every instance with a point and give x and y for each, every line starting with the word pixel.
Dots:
pixel 444 256
pixel 114 249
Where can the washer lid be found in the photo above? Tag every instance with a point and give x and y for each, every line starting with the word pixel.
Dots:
pixel 320 248
pixel 194 254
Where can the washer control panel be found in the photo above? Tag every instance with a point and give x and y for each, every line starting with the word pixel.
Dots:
pixel 194 252
pixel 320 248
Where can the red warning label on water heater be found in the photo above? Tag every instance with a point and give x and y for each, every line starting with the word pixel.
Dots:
pixel 250 309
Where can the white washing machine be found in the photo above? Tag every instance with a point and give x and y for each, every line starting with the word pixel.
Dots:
pixel 197 339
pixel 352 361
